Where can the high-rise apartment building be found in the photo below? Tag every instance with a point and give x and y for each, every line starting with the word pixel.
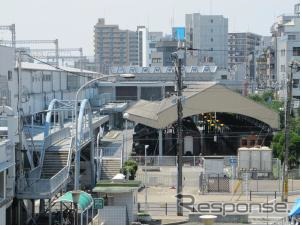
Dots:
pixel 209 34
pixel 242 50
pixel 114 47
pixel 241 45
pixel 286 36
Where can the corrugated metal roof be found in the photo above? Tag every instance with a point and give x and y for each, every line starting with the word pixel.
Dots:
pixel 209 97
pixel 45 67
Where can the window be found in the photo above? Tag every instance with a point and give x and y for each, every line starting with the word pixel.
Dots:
pixel 224 77
pixel 296 51
pixel 9 75
pixel 296 83
pixel 212 20
pixel 212 39
pixel 252 143
pixel 243 142
pixel 73 82
pixel 291 37
pixel 156 60
pixel 282 68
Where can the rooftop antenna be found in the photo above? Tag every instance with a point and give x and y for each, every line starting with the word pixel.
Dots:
pixel 148 22
pixel 173 13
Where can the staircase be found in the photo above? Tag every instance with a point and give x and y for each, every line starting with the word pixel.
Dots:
pixel 55 159
pixel 52 173
pixel 109 168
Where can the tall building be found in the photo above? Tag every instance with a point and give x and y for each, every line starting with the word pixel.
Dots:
pixel 162 55
pixel 153 38
pixel 242 50
pixel 265 68
pixel 143 46
pixel 114 47
pixel 209 33
pixel 241 45
pixel 286 36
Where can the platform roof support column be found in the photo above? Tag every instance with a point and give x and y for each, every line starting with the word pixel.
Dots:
pixel 139 89
pixel 49 211
pixel 160 142
pixel 163 94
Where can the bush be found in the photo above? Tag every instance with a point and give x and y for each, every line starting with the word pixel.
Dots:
pixel 130 167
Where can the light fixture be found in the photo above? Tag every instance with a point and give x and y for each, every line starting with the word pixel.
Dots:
pixel 75 196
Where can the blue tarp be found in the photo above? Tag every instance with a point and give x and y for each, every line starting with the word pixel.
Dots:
pixel 295 211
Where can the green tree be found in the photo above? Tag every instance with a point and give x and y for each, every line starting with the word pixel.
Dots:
pixel 278 146
pixel 268 99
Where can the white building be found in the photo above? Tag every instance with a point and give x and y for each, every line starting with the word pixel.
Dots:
pixel 7 162
pixel 209 33
pixel 41 83
pixel 7 61
pixel 286 33
pixel 143 45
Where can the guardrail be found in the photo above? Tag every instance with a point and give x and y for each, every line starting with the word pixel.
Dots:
pixel 47 186
pixel 114 152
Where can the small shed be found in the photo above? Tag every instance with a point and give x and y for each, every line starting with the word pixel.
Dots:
pixel 120 199
pixel 84 205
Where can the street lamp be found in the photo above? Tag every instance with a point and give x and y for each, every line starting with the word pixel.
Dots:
pixel 75 200
pixel 146 194
pixel 99 152
pixel 126 116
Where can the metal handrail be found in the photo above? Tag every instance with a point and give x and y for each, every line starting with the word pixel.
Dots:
pixel 52 139
pixel 38 185
pixel 72 143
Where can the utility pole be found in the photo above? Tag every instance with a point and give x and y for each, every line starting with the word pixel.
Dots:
pixel 19 153
pixel 287 131
pixel 178 57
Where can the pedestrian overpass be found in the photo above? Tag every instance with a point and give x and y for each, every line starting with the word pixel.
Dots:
pixel 51 148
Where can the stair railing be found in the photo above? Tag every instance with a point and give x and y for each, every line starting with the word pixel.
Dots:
pixel 52 139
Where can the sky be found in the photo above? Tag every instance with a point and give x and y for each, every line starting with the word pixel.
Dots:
pixel 72 21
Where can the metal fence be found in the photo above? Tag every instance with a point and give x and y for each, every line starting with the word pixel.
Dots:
pixel 167 160
pixel 161 208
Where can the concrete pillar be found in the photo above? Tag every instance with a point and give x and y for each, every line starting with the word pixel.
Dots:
pixel 33 208
pixel 49 210
pixel 113 93
pixel 139 89
pixel 42 206
pixel 160 142
pixel 163 92
pixel 92 162
pixel 19 211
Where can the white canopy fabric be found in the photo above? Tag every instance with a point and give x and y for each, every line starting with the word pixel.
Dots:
pixel 209 97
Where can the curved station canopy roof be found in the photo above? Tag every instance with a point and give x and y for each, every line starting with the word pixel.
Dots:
pixel 208 97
